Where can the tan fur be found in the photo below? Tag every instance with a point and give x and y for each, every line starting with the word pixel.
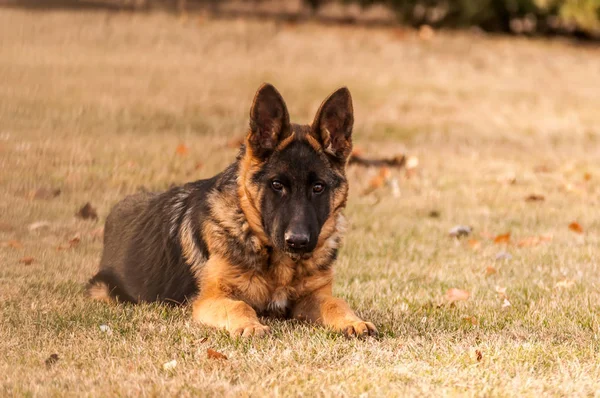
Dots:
pixel 249 196
pixel 231 296
pixel 314 143
pixel 99 291
pixel 190 251
pixel 287 141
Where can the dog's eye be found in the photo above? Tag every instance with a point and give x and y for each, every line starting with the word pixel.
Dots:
pixel 318 187
pixel 277 185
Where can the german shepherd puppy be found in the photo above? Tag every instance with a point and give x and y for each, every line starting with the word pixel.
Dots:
pixel 258 239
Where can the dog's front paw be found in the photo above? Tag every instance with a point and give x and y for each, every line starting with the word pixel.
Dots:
pixel 250 329
pixel 359 329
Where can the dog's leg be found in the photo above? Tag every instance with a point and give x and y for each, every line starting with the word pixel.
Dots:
pixel 321 307
pixel 215 306
pixel 222 312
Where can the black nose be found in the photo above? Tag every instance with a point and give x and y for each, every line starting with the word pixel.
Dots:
pixel 297 240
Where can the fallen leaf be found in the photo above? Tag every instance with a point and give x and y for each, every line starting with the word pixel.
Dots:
pixel 454 294
pixel 170 365
pixel 474 244
pixel 52 359
pixel 38 225
pixel 542 169
pixel 378 181
pixel 434 214
pixel 26 260
pixel 490 271
pixel 87 212
pixel 15 244
pixel 203 340
pixel 576 227
pixel 460 231
pixel 212 354
pixel 71 243
pixel 399 33
pixel 181 149
pixel 564 284
pixel 504 238
pixel 44 193
pixel 535 198
pixel 471 319
pixel 479 355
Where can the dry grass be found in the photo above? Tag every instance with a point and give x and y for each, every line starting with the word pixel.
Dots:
pixel 95 104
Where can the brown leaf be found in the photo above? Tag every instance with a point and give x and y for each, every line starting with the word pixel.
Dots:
pixel 535 198
pixel 471 319
pixel 587 177
pixel 203 340
pixel 44 193
pixel 474 244
pixel 52 359
pixel 542 169
pixel 87 212
pixel 378 181
pixel 26 260
pixel 212 354
pixel 399 33
pixel 479 355
pixel 181 149
pixel 576 227
pixel 490 271
pixel 74 241
pixel 15 244
pixel 504 238
pixel 454 294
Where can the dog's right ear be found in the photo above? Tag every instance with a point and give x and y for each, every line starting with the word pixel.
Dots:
pixel 269 121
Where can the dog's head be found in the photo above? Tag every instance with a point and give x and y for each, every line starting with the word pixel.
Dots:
pixel 292 177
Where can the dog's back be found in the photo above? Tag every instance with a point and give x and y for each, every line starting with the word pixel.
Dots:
pixel 142 258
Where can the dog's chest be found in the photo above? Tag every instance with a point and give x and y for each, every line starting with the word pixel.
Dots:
pixel 275 290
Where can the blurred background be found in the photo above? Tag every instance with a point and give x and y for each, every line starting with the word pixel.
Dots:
pixel 473 242
pixel 580 18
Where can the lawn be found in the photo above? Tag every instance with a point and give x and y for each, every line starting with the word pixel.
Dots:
pixel 95 106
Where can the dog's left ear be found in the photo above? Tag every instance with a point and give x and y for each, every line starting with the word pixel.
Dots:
pixel 333 123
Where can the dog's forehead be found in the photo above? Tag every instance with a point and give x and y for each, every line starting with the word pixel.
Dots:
pixel 299 159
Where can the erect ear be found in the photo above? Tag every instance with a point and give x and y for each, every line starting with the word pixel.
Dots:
pixel 333 123
pixel 269 120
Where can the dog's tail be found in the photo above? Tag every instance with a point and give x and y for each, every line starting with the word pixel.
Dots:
pixel 105 286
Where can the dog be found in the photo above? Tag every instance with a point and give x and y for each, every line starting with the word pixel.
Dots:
pixel 258 239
